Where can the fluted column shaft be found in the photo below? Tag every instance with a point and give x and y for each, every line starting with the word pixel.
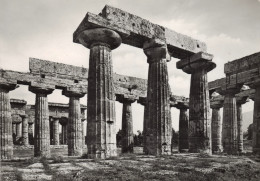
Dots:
pixel 41 125
pixel 216 127
pixel 158 126
pixel 74 123
pixel 56 139
pixel 142 101
pixel 256 121
pixel 183 130
pixel 25 140
pixel 83 136
pixel 30 133
pixel 101 121
pixel 239 128
pixel 229 134
pixel 6 139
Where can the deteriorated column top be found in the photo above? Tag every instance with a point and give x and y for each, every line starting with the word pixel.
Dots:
pixel 181 105
pixel 242 100
pixel 155 53
pixel 196 62
pixel 126 98
pixel 74 93
pixel 104 36
pixel 4 85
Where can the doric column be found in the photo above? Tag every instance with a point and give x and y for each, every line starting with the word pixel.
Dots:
pixel 229 133
pixel 41 125
pixel 159 128
pixel 74 123
pixel 127 122
pixel 14 132
pixel 83 136
pixel 25 140
pixel 256 118
pixel 216 126
pixel 142 101
pixel 56 138
pixel 198 65
pixel 51 130
pixel 30 133
pixel 64 130
pixel 183 127
pixel 101 122
pixel 18 130
pixel 6 150
pixel 240 102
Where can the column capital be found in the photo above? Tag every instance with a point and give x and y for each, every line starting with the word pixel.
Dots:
pixel 126 98
pixel 216 104
pixel 142 101
pixel 24 116
pixel 155 52
pixel 8 86
pixel 197 62
pixel 73 93
pixel 181 105
pixel 230 91
pixel 100 36
pixel 242 100
pixel 40 90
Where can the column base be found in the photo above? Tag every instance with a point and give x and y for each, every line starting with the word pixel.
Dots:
pixel 199 145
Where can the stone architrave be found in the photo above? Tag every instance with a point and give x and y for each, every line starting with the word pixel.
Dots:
pixel 142 101
pixel 198 65
pixel 216 127
pixel 101 121
pixel 56 138
pixel 25 140
pixel 229 133
pixel 127 122
pixel 159 128
pixel 6 149
pixel 41 125
pixel 240 102
pixel 74 123
pixel 183 127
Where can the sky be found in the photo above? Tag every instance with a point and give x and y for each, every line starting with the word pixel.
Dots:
pixel 43 29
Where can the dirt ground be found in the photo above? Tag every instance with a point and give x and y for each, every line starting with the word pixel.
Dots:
pixel 135 166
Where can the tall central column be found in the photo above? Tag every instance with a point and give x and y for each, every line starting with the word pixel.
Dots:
pixel 101 122
pixel 74 123
pixel 216 127
pixel 198 65
pixel 159 128
pixel 127 122
pixel 6 139
pixel 41 125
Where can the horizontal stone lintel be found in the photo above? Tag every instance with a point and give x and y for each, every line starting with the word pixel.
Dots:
pixel 135 30
pixel 243 64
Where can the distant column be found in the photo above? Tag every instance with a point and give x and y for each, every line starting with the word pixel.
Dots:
pixel 64 128
pixel 74 123
pixel 101 124
pixel 183 127
pixel 216 127
pixel 83 136
pixel 30 133
pixel 6 139
pixel 14 132
pixel 198 65
pixel 51 130
pixel 229 134
pixel 159 128
pixel 41 125
pixel 18 131
pixel 56 139
pixel 127 122
pixel 25 140
pixel 256 120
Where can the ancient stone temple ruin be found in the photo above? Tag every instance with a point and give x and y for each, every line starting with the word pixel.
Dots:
pixel 199 131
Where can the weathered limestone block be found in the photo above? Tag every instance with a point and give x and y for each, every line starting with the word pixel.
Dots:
pixel 198 66
pixel 74 123
pixel 56 138
pixel 159 127
pixel 229 134
pixel 127 122
pixel 216 126
pixel 240 102
pixel 142 101
pixel 6 150
pixel 41 125
pixel 101 124
pixel 183 127
pixel 25 140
